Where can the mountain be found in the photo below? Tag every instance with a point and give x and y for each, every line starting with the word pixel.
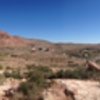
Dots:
pixel 7 40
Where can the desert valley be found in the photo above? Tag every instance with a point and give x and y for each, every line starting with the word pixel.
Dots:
pixel 32 69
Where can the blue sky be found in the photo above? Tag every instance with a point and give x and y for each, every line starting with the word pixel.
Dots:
pixel 53 20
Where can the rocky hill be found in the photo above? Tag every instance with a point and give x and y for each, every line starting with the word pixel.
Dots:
pixel 6 40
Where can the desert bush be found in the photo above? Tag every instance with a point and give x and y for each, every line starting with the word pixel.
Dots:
pixel 30 90
pixel 2 79
pixel 35 84
pixel 13 74
pixel 42 70
pixel 77 74
pixel 80 73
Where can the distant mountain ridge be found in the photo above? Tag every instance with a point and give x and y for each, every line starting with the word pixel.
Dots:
pixel 7 40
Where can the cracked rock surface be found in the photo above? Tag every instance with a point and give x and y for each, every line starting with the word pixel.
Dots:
pixel 73 90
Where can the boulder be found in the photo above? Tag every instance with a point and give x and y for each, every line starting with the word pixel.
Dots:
pixel 92 66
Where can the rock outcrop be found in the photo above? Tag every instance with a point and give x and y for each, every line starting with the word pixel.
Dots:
pixel 8 88
pixel 73 90
pixel 92 66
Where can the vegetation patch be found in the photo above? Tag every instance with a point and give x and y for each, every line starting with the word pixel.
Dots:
pixel 36 82
pixel 80 73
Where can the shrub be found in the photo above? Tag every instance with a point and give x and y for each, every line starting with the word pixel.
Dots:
pixel 24 88
pixel 14 74
pixel 2 79
pixel 36 82
pixel 43 71
pixel 79 73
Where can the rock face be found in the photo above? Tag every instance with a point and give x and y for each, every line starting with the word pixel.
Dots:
pixel 73 90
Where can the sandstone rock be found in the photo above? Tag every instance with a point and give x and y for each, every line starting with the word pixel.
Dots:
pixel 73 90
pixel 92 66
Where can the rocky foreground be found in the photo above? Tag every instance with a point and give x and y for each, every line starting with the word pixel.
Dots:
pixel 63 90
pixel 73 90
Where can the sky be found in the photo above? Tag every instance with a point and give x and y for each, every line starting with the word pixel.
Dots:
pixel 75 21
